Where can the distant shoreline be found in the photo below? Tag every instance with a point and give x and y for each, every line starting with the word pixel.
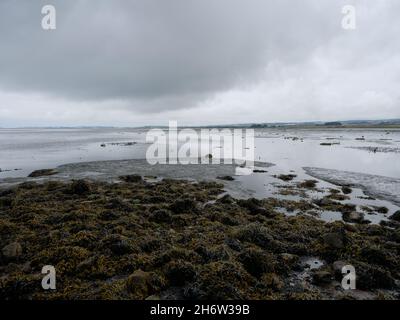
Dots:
pixel 345 124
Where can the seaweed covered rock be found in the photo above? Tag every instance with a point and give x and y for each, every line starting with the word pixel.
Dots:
pixel 42 172
pixel 382 210
pixel 80 187
pixel 321 277
pixel 221 280
pixel 272 281
pixel 353 216
pixel 308 184
pixel 226 178
pixel 286 177
pixel 183 205
pixel 371 276
pixel 337 268
pixel 395 216
pixel 253 205
pixel 216 253
pixel 346 190
pixel 380 256
pixel 139 284
pixel 226 199
pixel 119 204
pixel 132 178
pixel 335 240
pixel 288 260
pixel 118 245
pixel 179 272
pixel 161 216
pixel 257 261
pixel 12 250
pixel 6 202
pixel 258 235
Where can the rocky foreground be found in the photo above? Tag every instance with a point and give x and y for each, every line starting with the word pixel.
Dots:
pixel 182 240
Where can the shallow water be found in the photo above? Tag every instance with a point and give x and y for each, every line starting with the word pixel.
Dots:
pixel 30 149
pixel 354 155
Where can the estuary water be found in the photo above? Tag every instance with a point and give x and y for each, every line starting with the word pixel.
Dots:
pixel 368 159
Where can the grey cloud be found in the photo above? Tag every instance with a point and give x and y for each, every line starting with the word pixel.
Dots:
pixel 279 59
pixel 151 49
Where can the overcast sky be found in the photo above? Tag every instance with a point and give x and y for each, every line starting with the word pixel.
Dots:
pixel 130 63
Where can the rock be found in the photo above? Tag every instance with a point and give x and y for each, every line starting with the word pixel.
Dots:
pixel 322 277
pixel 372 277
pixel 151 245
pixel 334 240
pixel 396 236
pixel 289 259
pixel 383 210
pixel 226 199
pixel 228 220
pixel 138 283
pixel 234 244
pixel 226 178
pixel 256 261
pixel 286 177
pixel 6 202
pixel 308 184
pixel 183 206
pixel 254 206
pixel 259 171
pixel 103 145
pixel 132 178
pixel 350 227
pixel 324 202
pixel 79 187
pixel 215 253
pixel 221 280
pixel 119 245
pixel 179 272
pixel 347 208
pixel 337 267
pixel 353 216
pixel 118 204
pixel 7 192
pixel 42 172
pixel 12 250
pixel 273 281
pixel 390 223
pixel 378 255
pixel 161 216
pixel 256 234
pixel 346 190
pixel 338 197
pixel 395 216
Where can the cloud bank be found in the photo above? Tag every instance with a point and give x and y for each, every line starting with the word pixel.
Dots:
pixel 199 62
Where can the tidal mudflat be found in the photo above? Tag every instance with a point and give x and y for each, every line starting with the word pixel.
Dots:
pixel 115 227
